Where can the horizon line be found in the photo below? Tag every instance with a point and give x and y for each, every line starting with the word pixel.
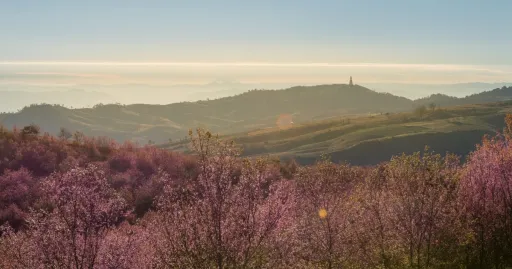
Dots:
pixel 251 63
pixel 438 67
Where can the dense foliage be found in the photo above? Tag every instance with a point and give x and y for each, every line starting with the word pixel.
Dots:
pixel 78 202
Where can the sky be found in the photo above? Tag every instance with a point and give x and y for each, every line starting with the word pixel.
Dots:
pixel 174 42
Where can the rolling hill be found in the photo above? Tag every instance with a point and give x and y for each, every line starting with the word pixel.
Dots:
pixel 368 140
pixel 252 110
pixel 420 90
pixel 499 94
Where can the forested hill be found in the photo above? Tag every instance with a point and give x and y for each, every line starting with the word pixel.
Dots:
pixel 255 109
pixel 496 95
pixel 247 111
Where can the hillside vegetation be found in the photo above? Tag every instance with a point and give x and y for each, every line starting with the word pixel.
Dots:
pixel 250 110
pixel 253 110
pixel 373 139
pixel 92 203
pixel 499 94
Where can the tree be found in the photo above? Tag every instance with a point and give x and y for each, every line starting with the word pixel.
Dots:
pixel 420 111
pixel 78 137
pixel 508 126
pixel 126 247
pixel 65 133
pixel 486 188
pixel 423 206
pixel 432 106
pixel 227 217
pixel 17 193
pixel 408 213
pixel 324 212
pixel 81 207
pixel 30 130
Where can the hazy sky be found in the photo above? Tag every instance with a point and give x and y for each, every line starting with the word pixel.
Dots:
pixel 404 41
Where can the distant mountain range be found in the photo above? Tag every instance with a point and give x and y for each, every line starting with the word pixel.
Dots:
pixel 499 94
pixel 255 109
pixel 15 96
pixel 418 90
pixel 11 100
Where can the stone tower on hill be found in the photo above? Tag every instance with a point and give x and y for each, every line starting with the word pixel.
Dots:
pixel 351 83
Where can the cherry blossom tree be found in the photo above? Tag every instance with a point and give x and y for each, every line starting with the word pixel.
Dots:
pixel 127 246
pixel 18 191
pixel 227 217
pixel 487 196
pixel 324 215
pixel 81 207
pixel 422 207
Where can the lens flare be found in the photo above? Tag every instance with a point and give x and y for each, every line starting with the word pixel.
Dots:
pixel 322 213
pixel 284 121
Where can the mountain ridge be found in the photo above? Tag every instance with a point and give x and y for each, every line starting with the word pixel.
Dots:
pixel 251 110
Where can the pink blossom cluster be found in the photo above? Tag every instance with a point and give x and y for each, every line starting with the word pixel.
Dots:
pixel 91 203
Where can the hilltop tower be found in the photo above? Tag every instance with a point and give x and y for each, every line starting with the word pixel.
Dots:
pixel 351 83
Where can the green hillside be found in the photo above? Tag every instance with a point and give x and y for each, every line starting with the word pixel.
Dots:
pixel 243 112
pixel 372 139
pixel 319 106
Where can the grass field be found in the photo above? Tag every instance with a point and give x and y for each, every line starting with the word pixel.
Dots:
pixel 369 139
